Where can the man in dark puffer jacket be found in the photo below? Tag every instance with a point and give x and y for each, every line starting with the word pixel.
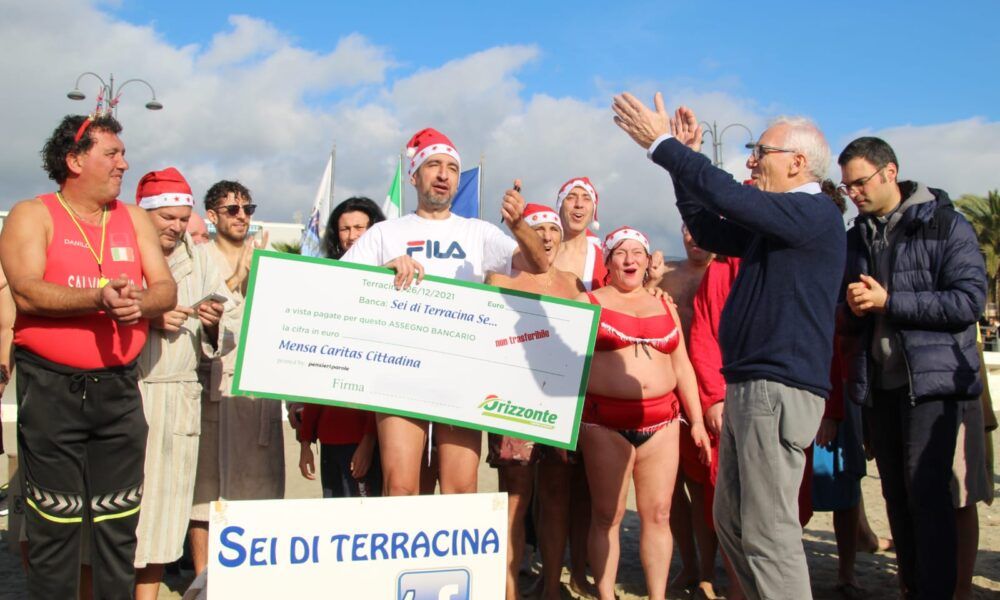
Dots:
pixel 916 284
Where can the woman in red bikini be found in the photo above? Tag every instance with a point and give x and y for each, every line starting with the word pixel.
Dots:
pixel 630 417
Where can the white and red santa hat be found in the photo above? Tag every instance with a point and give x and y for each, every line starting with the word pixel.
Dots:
pixel 580 182
pixel 426 143
pixel 168 187
pixel 616 237
pixel 537 214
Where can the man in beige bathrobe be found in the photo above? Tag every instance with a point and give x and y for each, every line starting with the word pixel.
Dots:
pixel 168 370
pixel 241 452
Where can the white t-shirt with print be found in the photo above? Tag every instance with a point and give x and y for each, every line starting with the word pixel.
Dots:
pixel 456 247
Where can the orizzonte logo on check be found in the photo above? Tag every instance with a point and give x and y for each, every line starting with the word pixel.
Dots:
pixel 498 408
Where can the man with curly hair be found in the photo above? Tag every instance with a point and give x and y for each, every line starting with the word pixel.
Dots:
pixel 87 273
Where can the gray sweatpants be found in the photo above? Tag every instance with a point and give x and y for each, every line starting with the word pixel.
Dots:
pixel 766 428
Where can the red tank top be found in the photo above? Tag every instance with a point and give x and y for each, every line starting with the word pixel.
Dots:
pixel 91 341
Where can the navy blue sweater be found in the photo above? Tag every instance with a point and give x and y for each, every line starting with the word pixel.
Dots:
pixel 779 319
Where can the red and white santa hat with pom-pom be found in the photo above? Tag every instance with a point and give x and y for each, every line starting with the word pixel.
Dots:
pixel 537 214
pixel 586 185
pixel 168 187
pixel 426 143
pixel 616 237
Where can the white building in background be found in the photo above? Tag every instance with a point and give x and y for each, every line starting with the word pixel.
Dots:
pixel 277 233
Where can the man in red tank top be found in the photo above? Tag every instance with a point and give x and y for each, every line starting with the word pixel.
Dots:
pixel 87 273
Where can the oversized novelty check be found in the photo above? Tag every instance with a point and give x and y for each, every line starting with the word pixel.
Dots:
pixel 466 354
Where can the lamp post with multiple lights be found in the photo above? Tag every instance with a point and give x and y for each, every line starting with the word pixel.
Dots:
pixel 109 92
pixel 713 130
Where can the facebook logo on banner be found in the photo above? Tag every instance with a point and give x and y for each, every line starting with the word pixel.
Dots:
pixel 451 584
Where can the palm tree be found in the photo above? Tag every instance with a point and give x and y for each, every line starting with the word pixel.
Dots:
pixel 288 247
pixel 984 214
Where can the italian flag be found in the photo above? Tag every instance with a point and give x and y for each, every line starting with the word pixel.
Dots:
pixel 122 254
pixel 393 205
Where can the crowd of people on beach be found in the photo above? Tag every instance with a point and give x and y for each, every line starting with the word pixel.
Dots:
pixel 738 389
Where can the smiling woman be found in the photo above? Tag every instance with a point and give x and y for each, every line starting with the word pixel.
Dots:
pixel 629 428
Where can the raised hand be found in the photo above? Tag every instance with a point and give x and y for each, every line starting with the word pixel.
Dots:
pixel 638 121
pixel 685 127
pixel 512 206
pixel 656 270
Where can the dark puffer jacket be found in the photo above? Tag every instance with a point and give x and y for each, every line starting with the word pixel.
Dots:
pixel 937 290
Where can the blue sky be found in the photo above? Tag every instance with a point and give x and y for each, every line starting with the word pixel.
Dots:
pixel 259 91
pixel 851 65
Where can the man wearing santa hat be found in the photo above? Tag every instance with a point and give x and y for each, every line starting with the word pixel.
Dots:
pixel 580 251
pixel 87 275
pixel 168 368
pixel 435 241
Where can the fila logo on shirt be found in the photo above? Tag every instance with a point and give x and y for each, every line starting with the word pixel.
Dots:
pixel 434 249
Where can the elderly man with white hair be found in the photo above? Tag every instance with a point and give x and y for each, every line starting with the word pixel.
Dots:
pixel 776 332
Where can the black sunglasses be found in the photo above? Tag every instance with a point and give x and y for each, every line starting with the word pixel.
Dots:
pixel 234 209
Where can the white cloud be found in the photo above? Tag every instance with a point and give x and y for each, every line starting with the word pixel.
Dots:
pixel 249 38
pixel 252 105
pixel 248 106
pixel 471 95
pixel 960 157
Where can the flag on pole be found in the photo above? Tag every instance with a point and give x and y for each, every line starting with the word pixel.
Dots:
pixel 312 234
pixel 466 201
pixel 393 205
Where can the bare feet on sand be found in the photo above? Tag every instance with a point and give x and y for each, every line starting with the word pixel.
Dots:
pixel 874 545
pixel 705 591
pixel 585 589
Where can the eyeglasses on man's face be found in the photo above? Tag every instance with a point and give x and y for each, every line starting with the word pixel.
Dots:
pixel 857 184
pixel 234 209
pixel 759 151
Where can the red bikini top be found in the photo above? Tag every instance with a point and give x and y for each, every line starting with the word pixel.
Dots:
pixel 619 330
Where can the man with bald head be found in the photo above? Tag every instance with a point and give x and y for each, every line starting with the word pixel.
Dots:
pixel 776 331
pixel 197 229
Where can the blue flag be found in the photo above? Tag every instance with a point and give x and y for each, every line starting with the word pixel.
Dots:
pixel 466 201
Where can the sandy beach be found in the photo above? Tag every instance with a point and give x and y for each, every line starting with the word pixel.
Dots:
pixel 876 572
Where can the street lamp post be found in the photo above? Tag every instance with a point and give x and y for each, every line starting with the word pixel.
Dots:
pixel 713 130
pixel 108 91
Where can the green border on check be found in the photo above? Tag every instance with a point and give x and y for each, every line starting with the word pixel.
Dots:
pixel 247 335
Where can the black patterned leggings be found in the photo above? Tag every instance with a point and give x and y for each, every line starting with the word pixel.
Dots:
pixel 81 442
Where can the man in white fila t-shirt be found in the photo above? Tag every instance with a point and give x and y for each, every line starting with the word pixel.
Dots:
pixel 433 240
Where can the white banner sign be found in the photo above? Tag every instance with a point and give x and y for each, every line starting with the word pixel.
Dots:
pixel 450 351
pixel 402 548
